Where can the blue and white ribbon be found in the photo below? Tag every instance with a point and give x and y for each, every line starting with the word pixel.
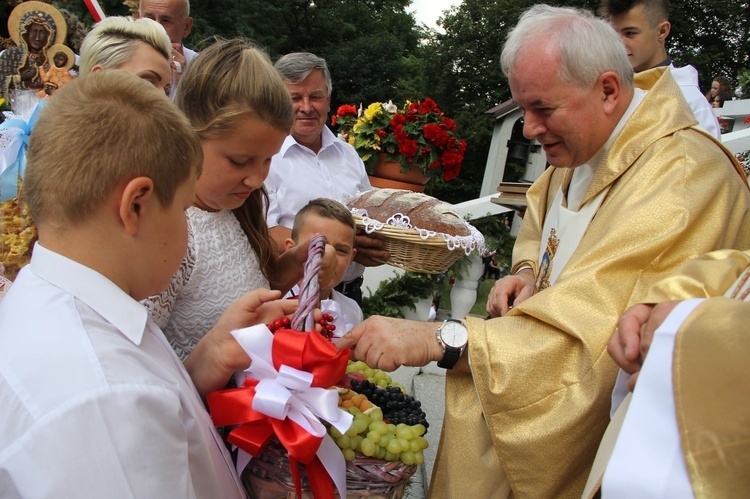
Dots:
pixel 14 145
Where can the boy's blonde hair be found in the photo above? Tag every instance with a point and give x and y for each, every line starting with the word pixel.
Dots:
pixel 113 40
pixel 230 81
pixel 325 208
pixel 100 130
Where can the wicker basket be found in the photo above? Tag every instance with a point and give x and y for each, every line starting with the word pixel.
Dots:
pixel 419 251
pixel 268 477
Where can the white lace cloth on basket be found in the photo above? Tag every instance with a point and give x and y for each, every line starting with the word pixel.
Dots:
pixel 470 243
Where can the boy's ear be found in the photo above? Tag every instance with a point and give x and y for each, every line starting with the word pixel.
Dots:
pixel 136 199
pixel 97 68
pixel 289 243
pixel 663 30
pixel 354 253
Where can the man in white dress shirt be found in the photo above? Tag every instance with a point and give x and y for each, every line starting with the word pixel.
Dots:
pixel 94 401
pixel 314 163
pixel 643 26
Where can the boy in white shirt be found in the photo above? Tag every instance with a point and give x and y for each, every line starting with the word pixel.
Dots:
pixel 94 401
pixel 333 220
pixel 643 26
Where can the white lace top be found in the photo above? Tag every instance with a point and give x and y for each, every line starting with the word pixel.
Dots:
pixel 220 266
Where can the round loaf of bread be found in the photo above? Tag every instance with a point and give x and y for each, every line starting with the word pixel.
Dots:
pixel 424 212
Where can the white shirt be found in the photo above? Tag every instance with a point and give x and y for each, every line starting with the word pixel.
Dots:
pixel 687 78
pixel 94 401
pixel 345 311
pixel 351 314
pixel 189 55
pixel 298 175
pixel 647 460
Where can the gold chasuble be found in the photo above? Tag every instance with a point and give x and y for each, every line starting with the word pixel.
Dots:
pixel 710 371
pixel 533 413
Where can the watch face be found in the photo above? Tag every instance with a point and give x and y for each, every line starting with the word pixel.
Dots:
pixel 454 334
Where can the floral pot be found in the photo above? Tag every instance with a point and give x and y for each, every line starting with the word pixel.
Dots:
pixel 464 291
pixel 388 174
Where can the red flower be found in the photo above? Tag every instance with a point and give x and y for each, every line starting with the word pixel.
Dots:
pixel 346 109
pixel 408 148
pixel 398 119
pixel 418 134
pixel 428 106
pixel 451 161
pixel 449 124
pixel 434 134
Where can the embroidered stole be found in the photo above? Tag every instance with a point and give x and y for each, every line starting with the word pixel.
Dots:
pixel 740 290
pixel 564 227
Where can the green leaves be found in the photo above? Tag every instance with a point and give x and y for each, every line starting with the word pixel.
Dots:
pixel 400 291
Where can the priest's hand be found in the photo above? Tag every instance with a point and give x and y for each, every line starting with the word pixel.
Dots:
pixel 624 344
pixel 509 292
pixel 387 343
pixel 630 342
pixel 370 251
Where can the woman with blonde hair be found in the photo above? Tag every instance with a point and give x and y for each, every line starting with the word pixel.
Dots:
pixel 139 46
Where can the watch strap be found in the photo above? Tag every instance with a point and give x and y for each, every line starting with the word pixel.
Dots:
pixel 450 354
pixel 450 357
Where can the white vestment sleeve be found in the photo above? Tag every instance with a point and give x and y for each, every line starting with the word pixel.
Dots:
pixel 647 460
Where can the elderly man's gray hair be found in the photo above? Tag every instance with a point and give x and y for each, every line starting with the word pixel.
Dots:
pixel 297 66
pixel 588 46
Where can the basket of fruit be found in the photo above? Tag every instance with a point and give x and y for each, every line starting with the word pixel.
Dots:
pixel 366 422
pixel 383 446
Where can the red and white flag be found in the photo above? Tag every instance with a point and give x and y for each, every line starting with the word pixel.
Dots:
pixel 96 11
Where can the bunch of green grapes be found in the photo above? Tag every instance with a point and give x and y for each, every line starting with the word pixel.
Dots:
pixel 375 376
pixel 372 437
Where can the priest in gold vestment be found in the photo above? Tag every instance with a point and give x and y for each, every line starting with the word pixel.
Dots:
pixel 686 431
pixel 634 191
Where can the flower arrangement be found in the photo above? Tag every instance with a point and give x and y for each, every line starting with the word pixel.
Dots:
pixel 744 160
pixel 418 134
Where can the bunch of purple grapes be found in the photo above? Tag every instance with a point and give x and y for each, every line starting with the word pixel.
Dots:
pixel 397 406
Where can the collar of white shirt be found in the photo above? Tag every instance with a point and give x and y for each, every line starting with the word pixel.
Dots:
pixel 92 288
pixel 329 139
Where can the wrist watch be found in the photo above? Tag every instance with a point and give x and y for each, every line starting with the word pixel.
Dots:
pixel 453 337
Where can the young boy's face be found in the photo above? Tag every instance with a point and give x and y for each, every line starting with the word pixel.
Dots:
pixel 168 238
pixel 645 44
pixel 338 234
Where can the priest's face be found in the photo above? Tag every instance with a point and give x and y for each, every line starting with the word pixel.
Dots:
pixel 568 121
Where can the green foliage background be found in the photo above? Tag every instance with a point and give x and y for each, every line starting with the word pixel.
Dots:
pixel 377 52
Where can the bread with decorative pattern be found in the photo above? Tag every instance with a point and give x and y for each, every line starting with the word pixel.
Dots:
pixel 424 212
